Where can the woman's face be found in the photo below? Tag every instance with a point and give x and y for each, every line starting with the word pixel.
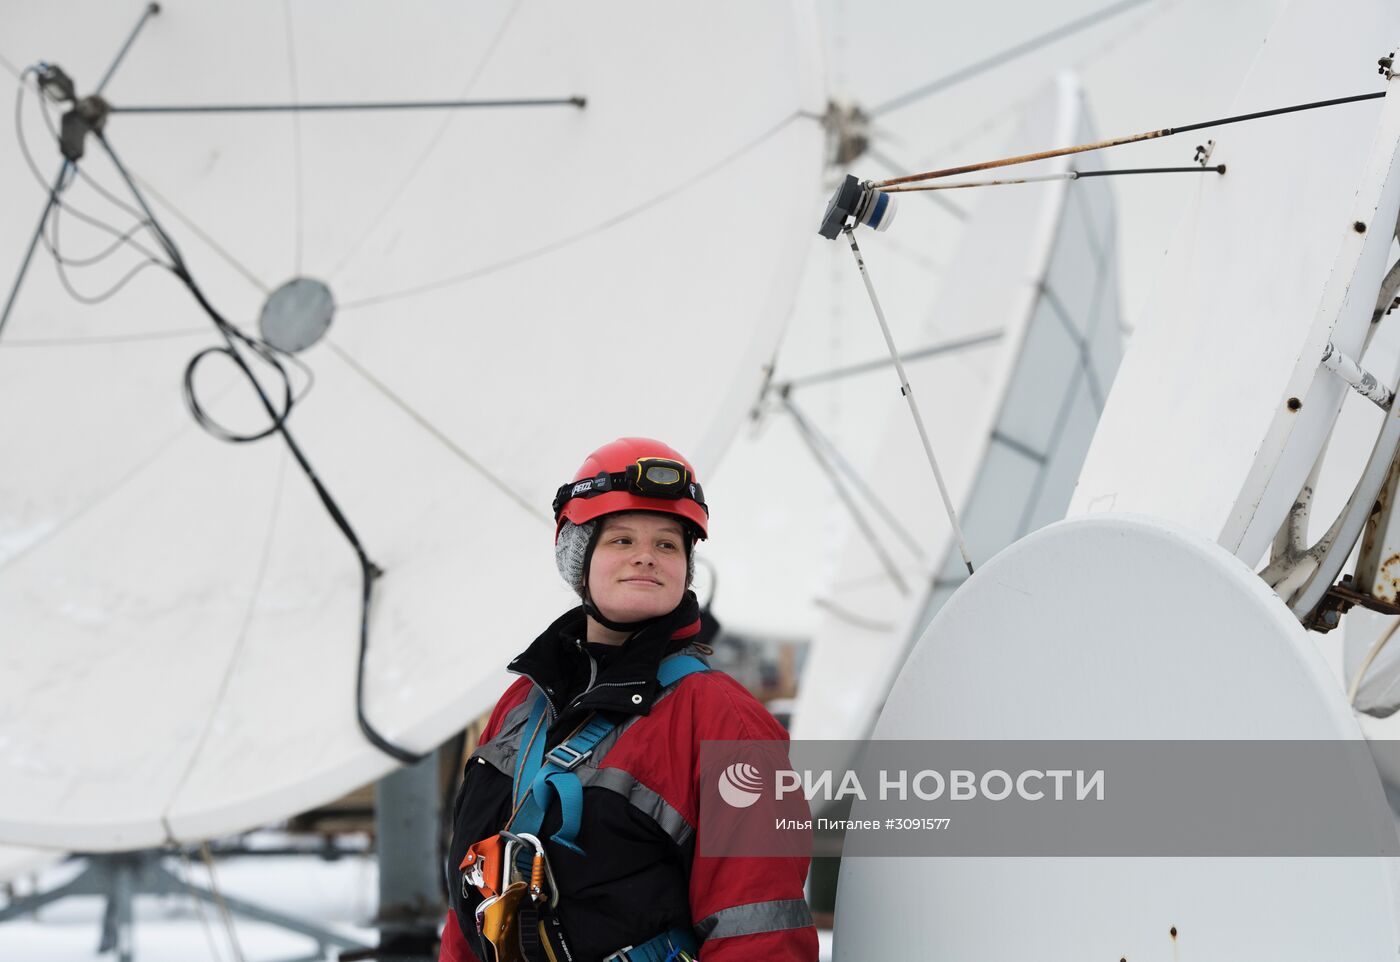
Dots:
pixel 638 566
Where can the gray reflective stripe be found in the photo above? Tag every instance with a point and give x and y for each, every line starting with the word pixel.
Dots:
pixel 499 756
pixel 756 918
pixel 516 717
pixel 640 797
pixel 500 751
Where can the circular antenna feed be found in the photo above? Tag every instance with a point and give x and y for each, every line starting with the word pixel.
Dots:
pixel 297 314
pixel 859 202
pixel 876 209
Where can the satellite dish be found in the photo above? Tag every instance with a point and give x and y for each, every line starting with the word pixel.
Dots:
pixel 1222 407
pixel 1037 266
pixel 1116 628
pixel 1151 628
pixel 512 286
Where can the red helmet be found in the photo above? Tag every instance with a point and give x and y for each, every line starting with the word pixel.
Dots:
pixel 632 474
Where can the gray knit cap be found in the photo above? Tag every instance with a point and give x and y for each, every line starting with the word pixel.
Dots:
pixel 571 554
pixel 571 550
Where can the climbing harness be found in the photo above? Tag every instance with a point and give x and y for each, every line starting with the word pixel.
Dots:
pixel 511 870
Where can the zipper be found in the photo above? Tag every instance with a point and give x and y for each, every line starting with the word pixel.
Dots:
pixel 548 702
pixel 609 684
pixel 592 673
pixel 592 684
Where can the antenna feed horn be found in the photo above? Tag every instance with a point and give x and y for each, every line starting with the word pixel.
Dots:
pixel 860 203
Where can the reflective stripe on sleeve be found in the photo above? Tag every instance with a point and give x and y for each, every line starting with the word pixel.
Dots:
pixel 641 798
pixel 755 918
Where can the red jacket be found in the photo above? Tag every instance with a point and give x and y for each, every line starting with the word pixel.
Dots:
pixel 641 808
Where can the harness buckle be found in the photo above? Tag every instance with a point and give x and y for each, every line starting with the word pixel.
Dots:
pixel 669 945
pixel 567 758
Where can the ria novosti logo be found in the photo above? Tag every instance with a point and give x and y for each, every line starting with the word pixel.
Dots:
pixel 740 784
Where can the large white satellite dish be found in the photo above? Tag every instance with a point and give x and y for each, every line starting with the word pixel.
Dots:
pixel 1068 635
pixel 1138 627
pixel 1012 420
pixel 1221 407
pixel 935 98
pixel 514 287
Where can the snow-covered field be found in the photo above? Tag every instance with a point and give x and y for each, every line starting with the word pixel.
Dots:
pixel 341 895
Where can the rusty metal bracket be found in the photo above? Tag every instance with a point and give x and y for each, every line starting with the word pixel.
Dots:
pixel 1345 593
pixel 1341 598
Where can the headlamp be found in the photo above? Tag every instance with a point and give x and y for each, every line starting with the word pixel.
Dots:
pixel 648 477
pixel 658 478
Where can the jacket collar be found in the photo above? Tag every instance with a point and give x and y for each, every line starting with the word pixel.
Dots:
pixel 551 659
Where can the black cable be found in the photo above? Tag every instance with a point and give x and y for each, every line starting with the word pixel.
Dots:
pixel 369 571
pixel 106 295
pixel 97 258
pixel 1217 169
pixel 206 421
pixel 46 113
pixel 579 102
pixel 61 262
pixel 1118 141
pixel 1276 111
pixel 68 173
pixel 82 172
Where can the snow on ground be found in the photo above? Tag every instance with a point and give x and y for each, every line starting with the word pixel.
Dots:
pixel 341 895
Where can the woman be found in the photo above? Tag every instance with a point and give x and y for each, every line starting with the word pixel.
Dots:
pixel 590 760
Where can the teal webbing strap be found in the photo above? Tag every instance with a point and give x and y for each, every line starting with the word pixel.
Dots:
pixel 676 667
pixel 665 947
pixel 538 773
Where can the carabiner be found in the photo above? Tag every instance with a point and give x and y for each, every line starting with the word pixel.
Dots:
pixel 541 874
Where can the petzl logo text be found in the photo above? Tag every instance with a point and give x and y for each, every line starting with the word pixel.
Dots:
pixel 740 784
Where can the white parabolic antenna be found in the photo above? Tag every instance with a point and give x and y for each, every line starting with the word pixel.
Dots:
pixel 512 288
pixel 1013 419
pixel 1221 407
pixel 1056 639
pixel 1154 625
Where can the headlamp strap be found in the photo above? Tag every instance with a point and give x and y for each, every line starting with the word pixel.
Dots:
pixel 629 480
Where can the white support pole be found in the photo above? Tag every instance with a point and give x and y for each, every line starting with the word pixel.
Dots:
pixel 908 393
pixel 1361 380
